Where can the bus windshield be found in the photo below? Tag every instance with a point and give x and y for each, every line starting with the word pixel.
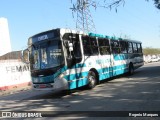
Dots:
pixel 47 55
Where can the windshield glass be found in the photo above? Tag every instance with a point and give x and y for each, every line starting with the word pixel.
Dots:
pixel 47 55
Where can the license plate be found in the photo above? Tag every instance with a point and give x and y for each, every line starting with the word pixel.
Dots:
pixel 42 86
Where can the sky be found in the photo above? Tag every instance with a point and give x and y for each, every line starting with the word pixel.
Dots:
pixel 137 19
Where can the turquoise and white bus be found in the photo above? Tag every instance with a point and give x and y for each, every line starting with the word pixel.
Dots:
pixel 67 59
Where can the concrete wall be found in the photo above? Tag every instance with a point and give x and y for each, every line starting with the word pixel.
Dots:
pixel 5 44
pixel 14 74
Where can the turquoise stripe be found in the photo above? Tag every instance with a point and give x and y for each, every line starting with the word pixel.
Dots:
pixel 119 72
pixel 78 83
pixel 103 70
pixel 80 79
pixel 120 67
pixel 112 71
pixel 105 76
pixel 59 72
pixel 76 76
pixel 104 36
pixel 51 78
pixel 47 79
pixel 120 57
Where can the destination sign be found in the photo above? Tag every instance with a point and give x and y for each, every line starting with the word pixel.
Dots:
pixel 45 36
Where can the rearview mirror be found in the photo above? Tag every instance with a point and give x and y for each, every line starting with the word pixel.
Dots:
pixel 25 56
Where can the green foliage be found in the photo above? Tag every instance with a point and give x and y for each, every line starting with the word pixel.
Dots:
pixel 151 51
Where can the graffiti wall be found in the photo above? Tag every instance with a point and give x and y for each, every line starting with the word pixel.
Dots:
pixel 13 74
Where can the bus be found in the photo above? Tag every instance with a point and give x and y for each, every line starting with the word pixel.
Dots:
pixel 64 59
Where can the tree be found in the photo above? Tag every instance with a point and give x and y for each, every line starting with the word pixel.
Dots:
pixel 157 3
pixel 117 2
pixel 151 51
pixel 106 4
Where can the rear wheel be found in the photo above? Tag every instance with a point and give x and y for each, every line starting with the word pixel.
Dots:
pixel 92 80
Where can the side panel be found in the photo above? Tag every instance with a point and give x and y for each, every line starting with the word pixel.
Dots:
pixel 136 59
pixel 120 64
pixel 77 76
pixel 105 69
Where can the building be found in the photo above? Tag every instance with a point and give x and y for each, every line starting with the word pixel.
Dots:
pixel 5 44
pixel 14 55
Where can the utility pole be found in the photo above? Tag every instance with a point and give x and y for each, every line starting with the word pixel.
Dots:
pixel 84 18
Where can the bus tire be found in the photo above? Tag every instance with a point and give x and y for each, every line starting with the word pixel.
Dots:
pixel 92 79
pixel 131 69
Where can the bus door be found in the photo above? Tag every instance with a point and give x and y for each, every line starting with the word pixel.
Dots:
pixel 73 56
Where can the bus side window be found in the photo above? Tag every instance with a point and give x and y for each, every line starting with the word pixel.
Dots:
pixel 76 47
pixel 115 47
pixel 139 48
pixel 86 45
pixel 135 48
pixel 104 46
pixel 123 46
pixel 130 47
pixel 94 46
pixel 90 45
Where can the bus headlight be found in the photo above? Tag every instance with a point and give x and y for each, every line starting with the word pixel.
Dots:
pixel 61 76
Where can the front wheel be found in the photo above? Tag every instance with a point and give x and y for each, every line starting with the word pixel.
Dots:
pixel 92 80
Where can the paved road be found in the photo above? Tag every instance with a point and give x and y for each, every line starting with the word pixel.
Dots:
pixel 139 92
